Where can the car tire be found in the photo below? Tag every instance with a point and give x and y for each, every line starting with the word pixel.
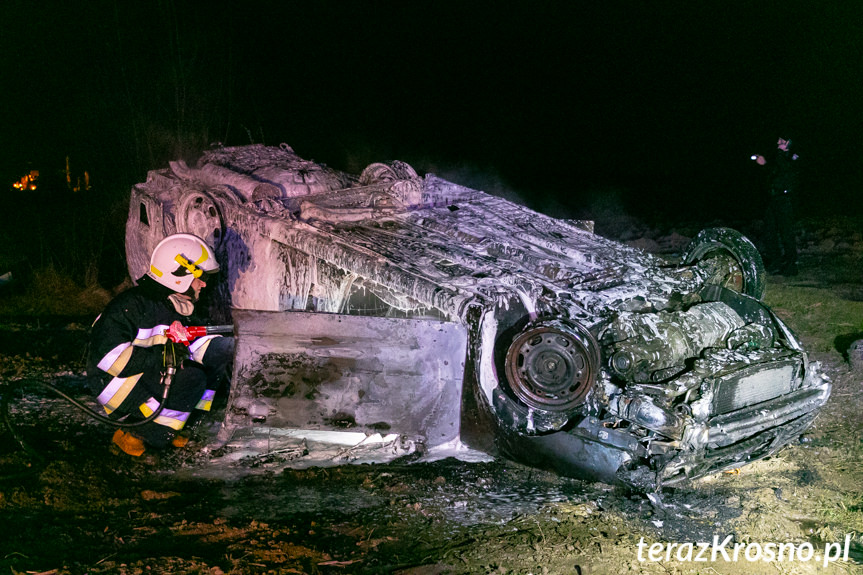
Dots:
pixel 731 257
pixel 530 399
pixel 199 214
pixel 378 173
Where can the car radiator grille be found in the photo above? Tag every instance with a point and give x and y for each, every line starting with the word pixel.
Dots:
pixel 755 384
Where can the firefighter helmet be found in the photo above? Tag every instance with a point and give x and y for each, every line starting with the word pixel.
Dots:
pixel 179 259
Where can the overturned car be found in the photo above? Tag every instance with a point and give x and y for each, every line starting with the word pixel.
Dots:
pixel 412 306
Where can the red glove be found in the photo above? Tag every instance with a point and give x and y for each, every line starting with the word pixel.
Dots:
pixel 178 333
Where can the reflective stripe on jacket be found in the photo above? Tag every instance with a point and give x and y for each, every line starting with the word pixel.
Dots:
pixel 127 346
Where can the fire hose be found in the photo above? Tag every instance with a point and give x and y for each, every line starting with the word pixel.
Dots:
pixel 176 333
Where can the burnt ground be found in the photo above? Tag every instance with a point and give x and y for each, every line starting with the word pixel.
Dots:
pixel 71 506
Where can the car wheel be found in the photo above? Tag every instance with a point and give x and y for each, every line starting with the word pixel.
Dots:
pixel 552 366
pixel 198 214
pixel 729 260
pixel 380 173
pixel 543 371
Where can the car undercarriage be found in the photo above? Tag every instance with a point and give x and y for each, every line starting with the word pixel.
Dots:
pixel 386 302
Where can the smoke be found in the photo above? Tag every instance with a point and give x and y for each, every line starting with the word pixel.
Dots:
pixel 610 206
pixel 485 178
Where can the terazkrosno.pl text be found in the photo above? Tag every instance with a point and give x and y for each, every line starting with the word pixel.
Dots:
pixel 725 550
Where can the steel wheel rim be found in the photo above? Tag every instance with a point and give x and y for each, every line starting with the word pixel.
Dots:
pixel 551 368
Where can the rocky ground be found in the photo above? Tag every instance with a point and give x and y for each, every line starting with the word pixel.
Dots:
pixel 69 506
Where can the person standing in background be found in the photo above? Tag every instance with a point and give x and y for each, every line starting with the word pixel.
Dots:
pixel 781 244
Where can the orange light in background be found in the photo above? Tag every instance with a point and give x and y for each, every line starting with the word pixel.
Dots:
pixel 27 182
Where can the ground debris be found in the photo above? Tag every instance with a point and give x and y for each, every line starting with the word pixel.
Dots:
pixel 150 495
pixel 105 515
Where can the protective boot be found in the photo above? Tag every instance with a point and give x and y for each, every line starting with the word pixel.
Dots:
pixel 129 443
pixel 180 440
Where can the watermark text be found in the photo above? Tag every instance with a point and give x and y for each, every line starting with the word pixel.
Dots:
pixel 731 552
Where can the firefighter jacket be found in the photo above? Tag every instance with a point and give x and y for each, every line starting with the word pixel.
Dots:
pixel 127 349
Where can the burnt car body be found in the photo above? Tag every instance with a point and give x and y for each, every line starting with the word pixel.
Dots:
pixel 389 301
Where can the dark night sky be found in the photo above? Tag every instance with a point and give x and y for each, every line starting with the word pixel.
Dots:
pixel 664 99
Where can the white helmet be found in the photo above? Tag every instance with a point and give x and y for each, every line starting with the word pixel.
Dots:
pixel 179 259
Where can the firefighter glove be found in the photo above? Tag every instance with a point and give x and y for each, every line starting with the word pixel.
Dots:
pixel 178 333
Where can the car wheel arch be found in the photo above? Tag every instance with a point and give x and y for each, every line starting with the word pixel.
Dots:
pixel 729 243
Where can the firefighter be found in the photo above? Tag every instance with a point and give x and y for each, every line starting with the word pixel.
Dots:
pixel 780 242
pixel 133 344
